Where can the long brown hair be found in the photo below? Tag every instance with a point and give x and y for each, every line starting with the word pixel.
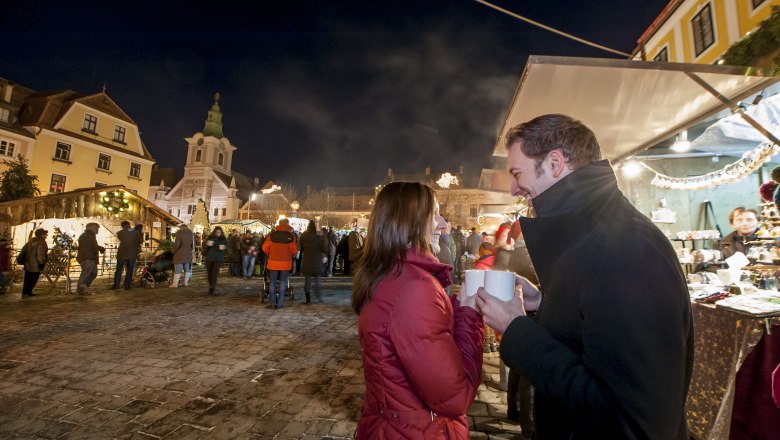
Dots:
pixel 401 218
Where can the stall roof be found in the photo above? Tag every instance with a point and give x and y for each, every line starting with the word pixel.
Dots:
pixel 630 105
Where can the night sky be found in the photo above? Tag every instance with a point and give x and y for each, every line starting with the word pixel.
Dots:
pixel 313 92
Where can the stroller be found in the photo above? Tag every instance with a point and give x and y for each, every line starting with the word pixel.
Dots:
pixel 289 295
pixel 157 270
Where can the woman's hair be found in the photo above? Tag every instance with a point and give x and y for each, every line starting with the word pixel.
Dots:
pixel 401 218
pixel 312 226
pixel 214 232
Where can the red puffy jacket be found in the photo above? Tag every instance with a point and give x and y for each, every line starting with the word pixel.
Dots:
pixel 422 355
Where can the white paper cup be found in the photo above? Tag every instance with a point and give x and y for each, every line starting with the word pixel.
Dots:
pixel 473 280
pixel 222 247
pixel 500 284
pixel 210 243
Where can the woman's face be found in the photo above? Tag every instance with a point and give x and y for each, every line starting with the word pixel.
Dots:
pixel 745 222
pixel 432 224
pixel 218 232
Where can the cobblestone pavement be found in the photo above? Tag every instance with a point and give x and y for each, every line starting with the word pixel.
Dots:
pixel 176 363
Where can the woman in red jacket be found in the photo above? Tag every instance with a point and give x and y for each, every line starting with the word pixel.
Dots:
pixel 422 351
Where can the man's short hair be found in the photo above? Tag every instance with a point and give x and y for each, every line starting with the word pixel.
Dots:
pixel 546 133
pixel 92 226
pixel 125 224
pixel 41 232
pixel 284 221
pixel 739 210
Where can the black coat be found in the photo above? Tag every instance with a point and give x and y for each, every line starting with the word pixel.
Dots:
pixel 612 351
pixel 314 248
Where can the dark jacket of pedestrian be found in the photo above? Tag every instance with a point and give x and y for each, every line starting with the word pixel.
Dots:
pixel 520 262
pixel 213 252
pixel 234 249
pixel 88 247
pixel 446 247
pixel 333 242
pixel 314 249
pixel 342 249
pixel 355 241
pixel 184 246
pixel 422 354
pixel 37 253
pixel 473 242
pixel 612 351
pixel 130 242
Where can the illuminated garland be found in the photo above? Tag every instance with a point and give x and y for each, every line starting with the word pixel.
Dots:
pixel 115 201
pixel 746 165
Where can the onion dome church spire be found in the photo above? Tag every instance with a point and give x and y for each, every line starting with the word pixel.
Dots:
pixel 213 125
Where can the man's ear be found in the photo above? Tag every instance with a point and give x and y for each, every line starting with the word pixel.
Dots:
pixel 557 163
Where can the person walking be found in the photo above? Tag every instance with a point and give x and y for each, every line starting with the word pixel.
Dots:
pixel 355 242
pixel 129 247
pixel 183 253
pixel 421 350
pixel 248 253
pixel 342 253
pixel 279 246
pixel 314 250
pixel 88 256
pixel 473 242
pixel 214 247
pixel 36 252
pixel 234 253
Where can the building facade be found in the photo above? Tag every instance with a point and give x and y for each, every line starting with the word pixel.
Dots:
pixel 700 31
pixel 208 176
pixel 72 141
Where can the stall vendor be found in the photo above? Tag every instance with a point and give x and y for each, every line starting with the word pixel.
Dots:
pixel 745 224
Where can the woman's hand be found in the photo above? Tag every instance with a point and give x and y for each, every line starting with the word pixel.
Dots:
pixel 467 301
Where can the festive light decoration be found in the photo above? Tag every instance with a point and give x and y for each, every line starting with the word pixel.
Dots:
pixel 747 164
pixel 446 180
pixel 61 239
pixel 272 189
pixel 115 201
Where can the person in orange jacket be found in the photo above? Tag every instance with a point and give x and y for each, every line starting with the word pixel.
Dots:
pixel 280 246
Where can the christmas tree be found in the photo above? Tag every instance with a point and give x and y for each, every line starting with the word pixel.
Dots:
pixel 61 239
pixel 200 218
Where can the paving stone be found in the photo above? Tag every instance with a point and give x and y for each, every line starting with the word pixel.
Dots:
pixel 58 430
pixel 137 407
pixel 169 423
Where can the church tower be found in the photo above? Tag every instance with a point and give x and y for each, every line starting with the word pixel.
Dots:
pixel 208 173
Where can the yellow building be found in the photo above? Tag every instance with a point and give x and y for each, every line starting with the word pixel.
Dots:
pixel 700 31
pixel 14 139
pixel 75 141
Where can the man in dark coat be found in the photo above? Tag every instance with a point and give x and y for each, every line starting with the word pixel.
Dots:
pixel 129 246
pixel 88 256
pixel 234 253
pixel 610 353
pixel 333 242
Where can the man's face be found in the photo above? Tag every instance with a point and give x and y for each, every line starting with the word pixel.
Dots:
pixel 526 180
pixel 745 222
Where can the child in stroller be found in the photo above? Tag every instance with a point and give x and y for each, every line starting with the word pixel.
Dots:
pixel 157 270
pixel 288 294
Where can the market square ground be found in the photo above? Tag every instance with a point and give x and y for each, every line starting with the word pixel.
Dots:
pixel 176 363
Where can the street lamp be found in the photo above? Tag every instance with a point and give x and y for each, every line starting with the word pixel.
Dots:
pixel 295 205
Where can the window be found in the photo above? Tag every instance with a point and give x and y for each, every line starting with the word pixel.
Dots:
pixel 190 209
pixel 90 123
pixel 104 162
pixel 57 183
pixel 62 151
pixel 178 213
pixel 5 114
pixel 170 211
pixel 224 212
pixel 100 184
pixel 119 134
pixel 473 211
pixel 703 32
pixel 216 212
pixel 220 158
pixel 663 55
pixel 757 3
pixel 135 170
pixel 7 148
pixel 198 155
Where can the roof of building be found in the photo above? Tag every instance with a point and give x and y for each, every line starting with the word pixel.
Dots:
pixel 164 175
pixel 213 125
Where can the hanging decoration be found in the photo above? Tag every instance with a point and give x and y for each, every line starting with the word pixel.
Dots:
pixel 115 201
pixel 747 164
pixel 446 180
pixel 61 239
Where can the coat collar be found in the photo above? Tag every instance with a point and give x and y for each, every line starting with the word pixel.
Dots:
pixel 577 191
pixel 428 262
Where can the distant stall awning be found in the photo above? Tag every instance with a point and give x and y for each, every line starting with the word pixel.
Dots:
pixel 629 105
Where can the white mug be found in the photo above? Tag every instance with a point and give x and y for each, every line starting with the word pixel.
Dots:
pixel 473 280
pixel 500 284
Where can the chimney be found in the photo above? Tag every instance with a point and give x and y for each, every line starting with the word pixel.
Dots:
pixel 389 172
pixel 7 91
pixel 428 171
pixel 460 170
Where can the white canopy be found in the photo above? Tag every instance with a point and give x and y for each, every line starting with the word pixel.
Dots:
pixel 629 105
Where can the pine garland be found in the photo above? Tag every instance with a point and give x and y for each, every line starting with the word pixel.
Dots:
pixel 755 48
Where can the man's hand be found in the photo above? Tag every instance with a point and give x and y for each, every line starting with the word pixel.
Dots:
pixel 499 314
pixel 532 297
pixel 467 301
